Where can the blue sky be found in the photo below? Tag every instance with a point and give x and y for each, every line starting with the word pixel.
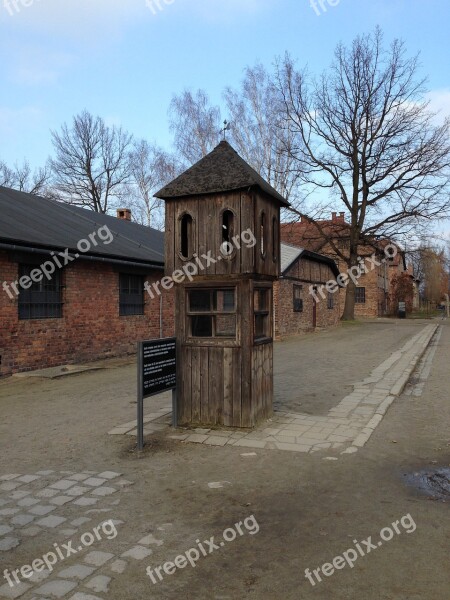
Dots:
pixel 123 60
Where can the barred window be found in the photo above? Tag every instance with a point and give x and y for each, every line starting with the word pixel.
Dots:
pixel 42 299
pixel 131 295
pixel 360 295
pixel 298 300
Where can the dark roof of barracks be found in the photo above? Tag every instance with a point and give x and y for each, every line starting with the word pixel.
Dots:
pixel 222 170
pixel 31 221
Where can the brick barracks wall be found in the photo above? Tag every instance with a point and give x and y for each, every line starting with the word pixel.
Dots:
pixel 303 273
pixel 376 287
pixel 90 328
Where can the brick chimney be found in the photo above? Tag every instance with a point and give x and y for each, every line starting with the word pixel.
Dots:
pixel 124 214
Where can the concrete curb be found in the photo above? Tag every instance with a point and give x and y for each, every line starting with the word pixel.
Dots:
pixel 397 389
pixel 399 386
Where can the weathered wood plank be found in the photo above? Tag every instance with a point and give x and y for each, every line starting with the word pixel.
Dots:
pixel 196 385
pixel 228 377
pixel 204 385
pixel 237 388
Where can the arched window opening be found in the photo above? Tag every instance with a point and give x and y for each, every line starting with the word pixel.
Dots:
pixel 227 226
pixel 186 236
pixel 263 233
pixel 275 239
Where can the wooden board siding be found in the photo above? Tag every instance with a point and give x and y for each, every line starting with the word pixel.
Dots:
pixel 210 387
pixel 206 212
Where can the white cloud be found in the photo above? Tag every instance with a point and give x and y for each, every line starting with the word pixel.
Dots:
pixel 94 20
pixel 440 102
pixel 89 19
pixel 35 66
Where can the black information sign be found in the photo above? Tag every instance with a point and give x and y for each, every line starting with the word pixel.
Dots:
pixel 157 373
pixel 158 366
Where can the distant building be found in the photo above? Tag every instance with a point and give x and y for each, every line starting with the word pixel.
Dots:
pixel 373 291
pixel 297 310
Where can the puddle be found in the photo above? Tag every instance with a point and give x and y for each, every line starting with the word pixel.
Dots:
pixel 434 482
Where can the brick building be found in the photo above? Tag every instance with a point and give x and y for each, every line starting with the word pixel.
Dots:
pixel 91 308
pixel 373 292
pixel 296 309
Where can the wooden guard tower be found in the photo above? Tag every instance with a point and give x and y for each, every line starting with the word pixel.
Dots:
pixel 223 229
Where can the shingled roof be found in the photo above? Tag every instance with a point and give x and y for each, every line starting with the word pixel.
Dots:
pixel 222 170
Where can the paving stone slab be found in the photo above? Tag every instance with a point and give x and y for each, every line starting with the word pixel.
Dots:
pixel 80 521
pixel 52 521
pixel 47 493
pixel 8 486
pixel 99 584
pixel 77 572
pixel 103 491
pixel 137 552
pixel 4 529
pixel 83 596
pixel 31 531
pixel 77 490
pixel 57 588
pixel 109 475
pixel 7 512
pixel 119 566
pixel 63 484
pixel 22 520
pixel 61 500
pixel 97 558
pixel 19 494
pixel 27 478
pixel 8 543
pixel 150 539
pixel 28 501
pixel 85 501
pixel 41 510
pixel 94 481
pixel 6 591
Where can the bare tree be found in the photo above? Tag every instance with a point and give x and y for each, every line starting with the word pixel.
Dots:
pixel 195 125
pixel 366 138
pixel 150 168
pixel 91 163
pixel 21 177
pixel 430 267
pixel 256 111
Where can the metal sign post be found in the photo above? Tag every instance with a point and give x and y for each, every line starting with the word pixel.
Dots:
pixel 157 373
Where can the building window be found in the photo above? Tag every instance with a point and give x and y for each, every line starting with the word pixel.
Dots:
pixel 131 295
pixel 275 239
pixel 330 301
pixel 42 299
pixel 212 313
pixel 360 295
pixel 262 233
pixel 298 300
pixel 261 308
pixel 226 247
pixel 186 236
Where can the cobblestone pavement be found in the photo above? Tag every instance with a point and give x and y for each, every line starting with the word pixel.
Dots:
pixel 70 507
pixel 350 423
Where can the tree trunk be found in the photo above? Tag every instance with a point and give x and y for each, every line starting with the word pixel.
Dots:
pixel 349 306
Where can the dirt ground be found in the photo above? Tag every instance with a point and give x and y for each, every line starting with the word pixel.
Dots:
pixel 309 509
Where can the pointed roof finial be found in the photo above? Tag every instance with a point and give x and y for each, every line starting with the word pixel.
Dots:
pixel 226 127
